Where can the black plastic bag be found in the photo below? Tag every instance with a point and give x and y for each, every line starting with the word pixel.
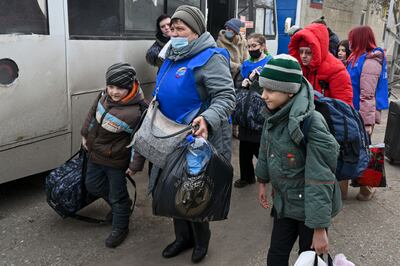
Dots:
pixel 201 198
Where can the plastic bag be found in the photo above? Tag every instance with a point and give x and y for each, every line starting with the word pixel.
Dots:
pixel 197 198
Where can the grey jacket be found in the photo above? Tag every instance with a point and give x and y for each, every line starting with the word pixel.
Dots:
pixel 214 83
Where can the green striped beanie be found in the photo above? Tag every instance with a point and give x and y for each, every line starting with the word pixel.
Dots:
pixel 282 73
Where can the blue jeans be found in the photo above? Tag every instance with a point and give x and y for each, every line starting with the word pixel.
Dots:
pixel 110 184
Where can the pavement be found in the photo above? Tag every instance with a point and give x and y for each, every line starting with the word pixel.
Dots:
pixel 31 233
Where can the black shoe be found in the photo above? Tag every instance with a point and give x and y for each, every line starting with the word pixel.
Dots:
pixel 116 237
pixel 175 248
pixel 198 254
pixel 240 183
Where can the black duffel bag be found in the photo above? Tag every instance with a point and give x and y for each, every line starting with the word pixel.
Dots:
pixel 66 192
pixel 200 198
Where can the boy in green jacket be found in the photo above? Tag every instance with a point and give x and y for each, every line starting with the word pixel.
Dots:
pixel 305 192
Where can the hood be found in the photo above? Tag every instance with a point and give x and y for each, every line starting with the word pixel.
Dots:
pixel 318 37
pixel 301 106
pixel 236 41
pixel 196 46
pixel 377 55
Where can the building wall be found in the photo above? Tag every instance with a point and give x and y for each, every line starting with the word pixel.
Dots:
pixel 342 15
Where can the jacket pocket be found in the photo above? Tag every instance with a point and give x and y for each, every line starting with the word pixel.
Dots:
pixel 292 162
pixel 294 206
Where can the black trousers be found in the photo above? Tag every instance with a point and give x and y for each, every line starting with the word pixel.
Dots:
pixel 284 235
pixel 197 233
pixel 247 150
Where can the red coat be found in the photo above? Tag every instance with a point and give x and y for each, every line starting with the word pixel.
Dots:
pixel 324 67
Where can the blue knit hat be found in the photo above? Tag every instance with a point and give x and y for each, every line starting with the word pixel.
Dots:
pixel 234 24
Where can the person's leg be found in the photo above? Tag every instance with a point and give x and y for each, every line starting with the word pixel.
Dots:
pixel 305 237
pixel 366 193
pixel 120 203
pixel 284 235
pixel 183 239
pixel 344 187
pixel 96 180
pixel 202 235
pixel 245 163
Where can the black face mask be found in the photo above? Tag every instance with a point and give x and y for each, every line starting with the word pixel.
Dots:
pixel 255 54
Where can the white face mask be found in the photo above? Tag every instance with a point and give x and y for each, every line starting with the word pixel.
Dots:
pixel 179 42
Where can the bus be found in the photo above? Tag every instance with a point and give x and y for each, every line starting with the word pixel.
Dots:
pixel 53 58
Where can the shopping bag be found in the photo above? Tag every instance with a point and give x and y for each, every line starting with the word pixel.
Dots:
pixel 374 175
pixel 310 258
pixel 197 198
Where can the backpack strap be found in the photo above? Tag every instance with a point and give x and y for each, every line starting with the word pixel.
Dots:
pixel 305 127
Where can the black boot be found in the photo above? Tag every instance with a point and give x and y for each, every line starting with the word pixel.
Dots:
pixel 184 239
pixel 116 237
pixel 202 234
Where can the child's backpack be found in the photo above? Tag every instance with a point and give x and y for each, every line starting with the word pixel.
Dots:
pixel 347 126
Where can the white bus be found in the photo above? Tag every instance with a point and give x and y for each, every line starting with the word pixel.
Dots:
pixel 53 58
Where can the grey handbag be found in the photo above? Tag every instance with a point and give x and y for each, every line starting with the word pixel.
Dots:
pixel 158 135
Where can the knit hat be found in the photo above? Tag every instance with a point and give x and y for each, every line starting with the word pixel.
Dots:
pixel 192 16
pixel 122 75
pixel 234 24
pixel 281 73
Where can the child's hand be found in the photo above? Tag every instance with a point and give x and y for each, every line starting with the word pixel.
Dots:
pixel 246 83
pixel 130 172
pixel 262 198
pixel 84 143
pixel 320 241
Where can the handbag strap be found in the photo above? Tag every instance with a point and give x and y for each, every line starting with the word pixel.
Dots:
pixel 155 106
pixel 330 261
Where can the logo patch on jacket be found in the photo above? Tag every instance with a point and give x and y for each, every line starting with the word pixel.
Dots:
pixel 180 72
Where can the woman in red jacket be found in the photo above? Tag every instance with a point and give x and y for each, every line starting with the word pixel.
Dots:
pixel 326 73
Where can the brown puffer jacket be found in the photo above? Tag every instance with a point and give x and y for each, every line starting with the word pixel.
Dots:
pixel 106 140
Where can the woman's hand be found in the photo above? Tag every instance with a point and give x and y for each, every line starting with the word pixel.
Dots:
pixel 202 129
pixel 130 172
pixel 84 143
pixel 262 198
pixel 320 241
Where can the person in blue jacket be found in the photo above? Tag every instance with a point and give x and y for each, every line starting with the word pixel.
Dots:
pixel 249 137
pixel 194 85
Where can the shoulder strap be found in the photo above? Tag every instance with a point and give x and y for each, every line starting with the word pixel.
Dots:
pixel 305 127
pixel 102 221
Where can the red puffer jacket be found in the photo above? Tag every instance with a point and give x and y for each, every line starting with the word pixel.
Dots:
pixel 324 69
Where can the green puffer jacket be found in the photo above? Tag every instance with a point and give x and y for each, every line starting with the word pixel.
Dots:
pixel 302 175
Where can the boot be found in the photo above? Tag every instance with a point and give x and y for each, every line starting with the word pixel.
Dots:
pixel 183 239
pixel 116 237
pixel 202 234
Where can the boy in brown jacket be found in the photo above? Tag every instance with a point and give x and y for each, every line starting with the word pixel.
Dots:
pixel 106 134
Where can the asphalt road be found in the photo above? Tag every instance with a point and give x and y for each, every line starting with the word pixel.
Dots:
pixel 31 233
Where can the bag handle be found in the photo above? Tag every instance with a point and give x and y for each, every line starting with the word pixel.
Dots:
pixel 330 261
pixel 155 106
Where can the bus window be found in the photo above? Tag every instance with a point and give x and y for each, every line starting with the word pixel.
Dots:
pixel 141 16
pixel 94 18
pixel 24 17
pixel 265 19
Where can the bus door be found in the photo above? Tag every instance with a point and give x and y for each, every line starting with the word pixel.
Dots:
pixel 285 9
pixel 34 113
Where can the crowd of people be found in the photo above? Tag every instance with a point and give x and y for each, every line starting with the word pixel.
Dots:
pixel 196 84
